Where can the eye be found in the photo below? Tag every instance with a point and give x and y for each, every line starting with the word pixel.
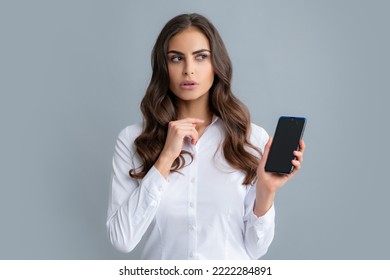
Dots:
pixel 176 58
pixel 201 56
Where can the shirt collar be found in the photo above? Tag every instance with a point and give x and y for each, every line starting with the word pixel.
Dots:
pixel 214 119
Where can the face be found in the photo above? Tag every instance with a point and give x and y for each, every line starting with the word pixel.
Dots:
pixel 191 73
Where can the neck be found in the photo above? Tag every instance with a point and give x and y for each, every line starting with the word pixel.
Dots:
pixel 205 114
pixel 195 109
pixel 198 109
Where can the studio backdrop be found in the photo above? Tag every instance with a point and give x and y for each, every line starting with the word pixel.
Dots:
pixel 73 74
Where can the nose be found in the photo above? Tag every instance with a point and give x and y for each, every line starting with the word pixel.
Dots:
pixel 188 69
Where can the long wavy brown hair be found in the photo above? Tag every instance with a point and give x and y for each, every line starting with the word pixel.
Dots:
pixel 158 105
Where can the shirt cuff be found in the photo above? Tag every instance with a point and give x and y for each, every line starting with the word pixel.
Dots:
pixel 265 221
pixel 154 183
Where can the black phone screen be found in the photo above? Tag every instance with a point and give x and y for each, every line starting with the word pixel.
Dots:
pixel 286 139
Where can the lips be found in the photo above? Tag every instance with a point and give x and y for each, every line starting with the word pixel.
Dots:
pixel 188 84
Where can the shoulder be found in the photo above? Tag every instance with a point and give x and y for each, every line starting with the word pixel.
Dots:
pixel 131 131
pixel 258 136
pixel 128 135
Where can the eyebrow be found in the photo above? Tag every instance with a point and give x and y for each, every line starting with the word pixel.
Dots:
pixel 195 52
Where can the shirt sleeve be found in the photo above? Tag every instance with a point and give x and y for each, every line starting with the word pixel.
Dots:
pixel 132 203
pixel 259 231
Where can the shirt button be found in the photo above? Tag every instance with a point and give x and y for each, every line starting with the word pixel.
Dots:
pixel 192 228
pixel 153 203
pixel 191 255
pixel 193 180
pixel 191 204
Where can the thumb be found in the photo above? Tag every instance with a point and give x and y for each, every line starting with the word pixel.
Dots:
pixel 266 151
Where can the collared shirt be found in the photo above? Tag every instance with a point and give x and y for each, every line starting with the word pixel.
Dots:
pixel 202 212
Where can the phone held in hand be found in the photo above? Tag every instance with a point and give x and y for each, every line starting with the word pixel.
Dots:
pixel 289 131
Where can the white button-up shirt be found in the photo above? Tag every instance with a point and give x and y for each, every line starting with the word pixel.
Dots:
pixel 202 212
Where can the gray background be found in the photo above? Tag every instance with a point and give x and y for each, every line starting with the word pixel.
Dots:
pixel 72 76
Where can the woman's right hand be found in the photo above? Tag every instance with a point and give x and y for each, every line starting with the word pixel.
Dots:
pixel 177 131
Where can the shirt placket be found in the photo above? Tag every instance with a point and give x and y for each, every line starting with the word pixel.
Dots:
pixel 192 205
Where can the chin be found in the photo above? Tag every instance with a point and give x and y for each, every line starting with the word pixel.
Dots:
pixel 190 95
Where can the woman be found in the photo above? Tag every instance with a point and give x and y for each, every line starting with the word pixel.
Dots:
pixel 190 180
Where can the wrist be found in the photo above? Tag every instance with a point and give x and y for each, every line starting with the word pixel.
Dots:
pixel 263 202
pixel 163 164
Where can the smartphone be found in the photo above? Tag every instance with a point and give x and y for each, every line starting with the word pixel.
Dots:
pixel 289 131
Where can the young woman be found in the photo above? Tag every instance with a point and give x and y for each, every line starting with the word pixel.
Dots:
pixel 190 179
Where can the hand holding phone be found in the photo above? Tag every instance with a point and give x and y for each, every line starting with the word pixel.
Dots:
pixel 289 131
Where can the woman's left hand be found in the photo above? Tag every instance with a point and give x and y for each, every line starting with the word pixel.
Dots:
pixel 268 183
